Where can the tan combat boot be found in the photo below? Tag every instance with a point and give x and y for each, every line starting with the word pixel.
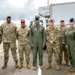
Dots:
pixel 49 65
pixel 20 66
pixel 16 65
pixel 4 66
pixel 28 66
pixel 34 68
pixel 41 67
pixel 67 63
pixel 58 65
pixel 71 70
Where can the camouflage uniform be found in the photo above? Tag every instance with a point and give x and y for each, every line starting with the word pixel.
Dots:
pixel 23 44
pixel 62 44
pixel 8 32
pixel 52 33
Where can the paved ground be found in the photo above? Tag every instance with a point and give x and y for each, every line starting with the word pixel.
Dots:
pixel 11 70
pixel 52 70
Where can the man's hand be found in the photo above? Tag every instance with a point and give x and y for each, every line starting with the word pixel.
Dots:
pixel 60 39
pixel 66 46
pixel 51 42
pixel 32 45
pixel 74 48
pixel 43 46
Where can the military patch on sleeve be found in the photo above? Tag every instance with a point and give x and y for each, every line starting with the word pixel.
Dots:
pixel 40 28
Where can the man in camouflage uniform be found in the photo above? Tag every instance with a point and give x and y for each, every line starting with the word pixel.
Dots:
pixel 52 36
pixel 8 31
pixel 63 29
pixel 23 44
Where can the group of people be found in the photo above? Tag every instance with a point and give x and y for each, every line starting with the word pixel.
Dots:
pixel 57 39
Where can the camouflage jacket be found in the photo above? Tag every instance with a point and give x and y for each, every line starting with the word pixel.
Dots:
pixel 62 33
pixel 22 36
pixel 8 32
pixel 52 33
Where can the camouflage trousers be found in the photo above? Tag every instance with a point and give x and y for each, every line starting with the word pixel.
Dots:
pixel 12 47
pixel 63 50
pixel 24 49
pixel 53 49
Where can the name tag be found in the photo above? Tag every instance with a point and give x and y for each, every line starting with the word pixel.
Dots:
pixel 35 29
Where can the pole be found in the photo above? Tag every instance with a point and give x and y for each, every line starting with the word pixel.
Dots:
pixel 48 3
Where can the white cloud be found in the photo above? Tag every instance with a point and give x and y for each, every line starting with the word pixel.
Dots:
pixel 17 3
pixel 60 1
pixel 37 3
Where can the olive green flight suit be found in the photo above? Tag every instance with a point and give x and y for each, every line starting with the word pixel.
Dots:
pixel 37 37
pixel 70 41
